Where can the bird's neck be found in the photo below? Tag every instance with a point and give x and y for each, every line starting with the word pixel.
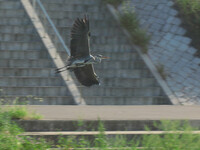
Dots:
pixel 97 59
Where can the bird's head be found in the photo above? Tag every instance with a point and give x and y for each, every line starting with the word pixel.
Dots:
pixel 99 57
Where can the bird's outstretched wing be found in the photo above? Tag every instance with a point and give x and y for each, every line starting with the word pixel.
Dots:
pixel 79 44
pixel 86 75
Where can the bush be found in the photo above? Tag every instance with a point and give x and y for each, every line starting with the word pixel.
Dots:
pixel 10 138
pixel 161 70
pixel 129 21
pixel 173 141
pixel 9 134
pixel 189 12
pixel 20 112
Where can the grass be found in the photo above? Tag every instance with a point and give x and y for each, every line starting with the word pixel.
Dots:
pixel 9 133
pixel 189 12
pixel 20 112
pixel 10 139
pixel 168 141
pixel 161 70
pixel 175 141
pixel 129 20
pixel 17 110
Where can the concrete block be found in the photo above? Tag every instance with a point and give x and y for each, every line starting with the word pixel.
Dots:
pixel 192 50
pixel 40 91
pixel 175 43
pixel 7 29
pixel 170 20
pixel 166 9
pixel 149 8
pixel 181 31
pixel 123 66
pixel 168 36
pixel 173 12
pixel 170 3
pixel 186 40
pixel 183 47
pixel 174 29
pixel 177 21
pixel 163 43
pixel 31 81
pixel 160 6
pixel 25 63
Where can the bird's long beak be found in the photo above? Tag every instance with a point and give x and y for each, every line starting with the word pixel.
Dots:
pixel 104 57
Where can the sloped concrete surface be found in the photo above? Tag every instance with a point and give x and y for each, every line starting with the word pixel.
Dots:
pixel 108 39
pixel 26 68
pixel 170 47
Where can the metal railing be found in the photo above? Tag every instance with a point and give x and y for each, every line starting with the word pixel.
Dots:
pixel 50 28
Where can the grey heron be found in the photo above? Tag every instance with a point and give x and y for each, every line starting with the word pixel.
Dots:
pixel 81 61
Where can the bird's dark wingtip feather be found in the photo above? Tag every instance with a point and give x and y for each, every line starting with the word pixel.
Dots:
pixel 91 84
pixel 86 75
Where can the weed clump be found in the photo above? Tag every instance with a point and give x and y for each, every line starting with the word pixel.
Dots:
pixel 20 112
pixel 16 109
pixel 178 135
pixel 161 70
pixel 189 12
pixel 129 20
pixel 10 138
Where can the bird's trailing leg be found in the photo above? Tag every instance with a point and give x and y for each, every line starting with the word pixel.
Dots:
pixel 58 70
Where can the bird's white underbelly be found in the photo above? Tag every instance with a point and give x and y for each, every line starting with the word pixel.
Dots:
pixel 79 63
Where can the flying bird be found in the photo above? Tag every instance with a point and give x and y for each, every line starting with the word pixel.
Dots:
pixel 81 61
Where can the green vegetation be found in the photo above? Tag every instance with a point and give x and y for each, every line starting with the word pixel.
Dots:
pixel 9 133
pixel 15 110
pixel 161 70
pixel 190 13
pixel 115 3
pixel 173 141
pixel 128 19
pixel 20 112
pixel 190 6
pixel 100 142
pixel 10 138
pixel 168 141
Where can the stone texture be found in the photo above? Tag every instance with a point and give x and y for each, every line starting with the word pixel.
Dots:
pixel 107 37
pixel 171 48
pixel 125 79
pixel 25 65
